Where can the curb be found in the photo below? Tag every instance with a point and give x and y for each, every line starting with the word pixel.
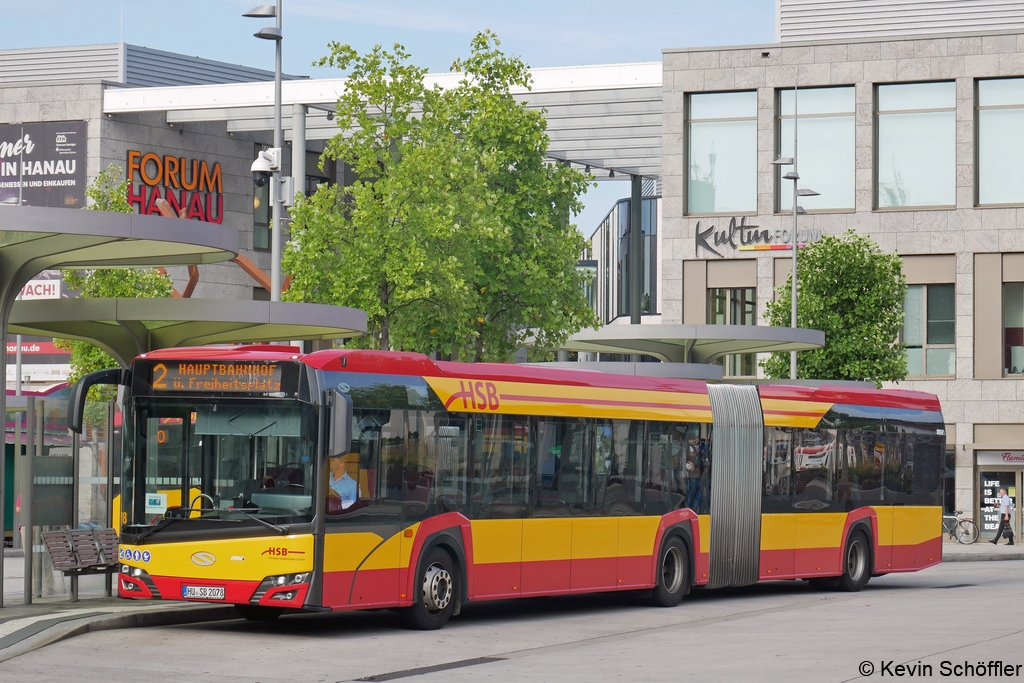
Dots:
pixel 982 557
pixel 72 627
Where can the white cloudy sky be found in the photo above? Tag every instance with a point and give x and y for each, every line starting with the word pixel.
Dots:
pixel 543 32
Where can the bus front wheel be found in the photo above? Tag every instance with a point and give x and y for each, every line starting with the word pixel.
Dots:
pixel 673 574
pixel 438 587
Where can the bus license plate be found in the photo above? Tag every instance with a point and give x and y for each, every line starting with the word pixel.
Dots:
pixel 203 592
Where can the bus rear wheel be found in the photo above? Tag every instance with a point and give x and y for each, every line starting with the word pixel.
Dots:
pixel 856 563
pixel 438 593
pixel 673 574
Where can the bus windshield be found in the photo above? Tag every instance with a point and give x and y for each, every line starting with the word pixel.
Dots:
pixel 219 459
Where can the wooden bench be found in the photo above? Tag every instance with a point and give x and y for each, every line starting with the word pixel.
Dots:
pixel 82 551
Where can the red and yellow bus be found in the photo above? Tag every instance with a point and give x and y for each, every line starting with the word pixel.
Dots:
pixel 346 479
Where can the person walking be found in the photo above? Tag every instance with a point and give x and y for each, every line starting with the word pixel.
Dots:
pixel 1004 519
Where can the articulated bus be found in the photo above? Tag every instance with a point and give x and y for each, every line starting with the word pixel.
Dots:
pixel 348 479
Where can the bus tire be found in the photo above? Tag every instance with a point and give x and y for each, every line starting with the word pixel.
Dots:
pixel 438 593
pixel 856 563
pixel 673 574
pixel 258 612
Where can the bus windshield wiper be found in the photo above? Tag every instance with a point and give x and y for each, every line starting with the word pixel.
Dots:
pixel 159 526
pixel 279 529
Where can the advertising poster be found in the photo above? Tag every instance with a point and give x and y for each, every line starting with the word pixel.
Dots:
pixel 991 482
pixel 43 164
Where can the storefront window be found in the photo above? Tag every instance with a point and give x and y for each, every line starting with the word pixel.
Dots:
pixel 722 153
pixel 734 307
pixel 1013 328
pixel 826 146
pixel 929 330
pixel 916 155
pixel 1001 141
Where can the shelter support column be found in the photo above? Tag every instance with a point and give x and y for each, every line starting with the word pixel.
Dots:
pixel 299 147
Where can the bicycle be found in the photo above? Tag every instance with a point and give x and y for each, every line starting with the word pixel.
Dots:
pixel 961 529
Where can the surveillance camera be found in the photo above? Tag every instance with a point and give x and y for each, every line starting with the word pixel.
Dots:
pixel 265 164
pixel 260 170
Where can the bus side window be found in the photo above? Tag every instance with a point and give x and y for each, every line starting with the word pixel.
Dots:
pixel 558 470
pixel 665 455
pixel 618 492
pixel 814 458
pixel 502 447
pixel 778 472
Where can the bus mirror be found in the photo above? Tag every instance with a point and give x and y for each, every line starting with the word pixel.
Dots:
pixel 79 393
pixel 341 423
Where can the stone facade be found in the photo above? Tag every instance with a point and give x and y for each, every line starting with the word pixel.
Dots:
pixel 110 138
pixel 984 410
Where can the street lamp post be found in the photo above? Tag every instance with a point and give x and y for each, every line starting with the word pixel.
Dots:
pixel 277 187
pixel 795 177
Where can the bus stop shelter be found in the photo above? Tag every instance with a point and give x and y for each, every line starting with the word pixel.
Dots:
pixel 125 328
pixel 694 343
pixel 33 239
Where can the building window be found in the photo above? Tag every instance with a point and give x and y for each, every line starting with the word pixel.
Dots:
pixel 826 138
pixel 1013 328
pixel 929 330
pixel 722 153
pixel 734 307
pixel 261 214
pixel 915 159
pixel 1001 141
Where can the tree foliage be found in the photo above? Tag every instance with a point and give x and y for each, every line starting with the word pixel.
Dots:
pixel 851 290
pixel 455 237
pixel 108 193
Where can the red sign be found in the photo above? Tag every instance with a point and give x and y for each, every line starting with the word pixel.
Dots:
pixel 36 348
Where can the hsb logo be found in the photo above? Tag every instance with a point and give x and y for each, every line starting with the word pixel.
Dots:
pixel 478 395
pixel 278 551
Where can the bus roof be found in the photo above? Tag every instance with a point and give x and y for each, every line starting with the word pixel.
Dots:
pixel 417 364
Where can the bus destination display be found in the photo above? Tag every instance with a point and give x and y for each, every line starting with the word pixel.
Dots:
pixel 231 377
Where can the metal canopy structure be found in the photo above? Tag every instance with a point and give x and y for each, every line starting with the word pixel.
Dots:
pixel 607 116
pixel 125 328
pixel 33 239
pixel 694 343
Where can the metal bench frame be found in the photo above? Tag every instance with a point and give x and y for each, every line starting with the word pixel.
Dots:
pixel 77 552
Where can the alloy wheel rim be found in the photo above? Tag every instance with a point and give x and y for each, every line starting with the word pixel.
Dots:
pixel 855 562
pixel 672 570
pixel 437 588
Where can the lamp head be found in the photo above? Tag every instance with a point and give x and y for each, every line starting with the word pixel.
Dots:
pixel 783 161
pixel 262 12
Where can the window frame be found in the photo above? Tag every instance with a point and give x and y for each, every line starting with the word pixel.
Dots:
pixel 875 127
pixel 732 359
pixel 924 332
pixel 687 120
pixel 976 132
pixel 778 171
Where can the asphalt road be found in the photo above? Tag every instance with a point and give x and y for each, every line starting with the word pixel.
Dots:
pixel 784 631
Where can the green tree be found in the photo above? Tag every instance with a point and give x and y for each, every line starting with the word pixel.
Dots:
pixel 108 193
pixel 854 292
pixel 455 237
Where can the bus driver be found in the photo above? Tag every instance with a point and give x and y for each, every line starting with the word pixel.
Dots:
pixel 343 485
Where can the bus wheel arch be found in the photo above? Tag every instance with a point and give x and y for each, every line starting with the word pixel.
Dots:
pixel 440 574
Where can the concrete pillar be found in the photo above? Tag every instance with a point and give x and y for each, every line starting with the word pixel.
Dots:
pixel 299 147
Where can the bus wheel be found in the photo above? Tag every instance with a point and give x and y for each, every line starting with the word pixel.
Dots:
pixel 673 574
pixel 258 612
pixel 856 569
pixel 438 584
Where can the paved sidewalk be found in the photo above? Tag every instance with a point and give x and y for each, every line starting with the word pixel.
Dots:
pixel 54 617
pixel 981 551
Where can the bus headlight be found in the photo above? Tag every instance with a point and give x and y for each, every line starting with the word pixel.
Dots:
pixel 277 581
